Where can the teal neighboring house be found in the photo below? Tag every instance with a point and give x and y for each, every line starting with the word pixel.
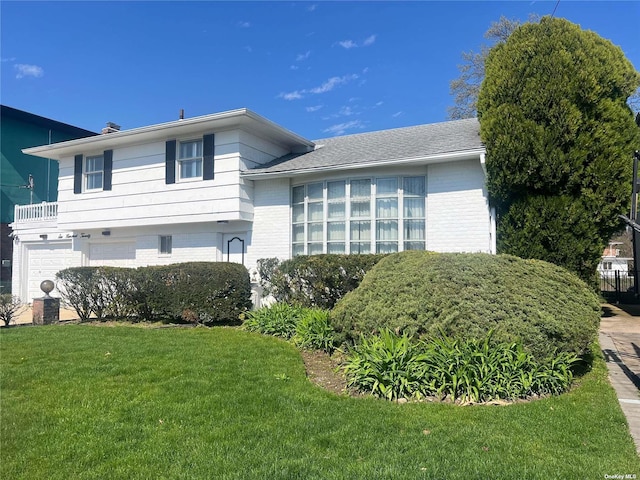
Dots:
pixel 26 179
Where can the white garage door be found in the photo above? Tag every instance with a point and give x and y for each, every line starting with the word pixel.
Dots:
pixel 43 262
pixel 112 254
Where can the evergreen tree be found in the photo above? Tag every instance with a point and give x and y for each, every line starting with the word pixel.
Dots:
pixel 560 139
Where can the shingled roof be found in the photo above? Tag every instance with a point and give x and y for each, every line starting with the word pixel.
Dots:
pixel 385 146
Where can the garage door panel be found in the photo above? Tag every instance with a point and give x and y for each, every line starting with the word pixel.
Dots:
pixel 44 261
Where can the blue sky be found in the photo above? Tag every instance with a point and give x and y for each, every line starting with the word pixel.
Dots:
pixel 317 68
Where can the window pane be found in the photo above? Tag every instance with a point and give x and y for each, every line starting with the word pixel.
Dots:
pixel 95 164
pixel 94 181
pixel 335 231
pixel 298 233
pixel 361 230
pixel 315 211
pixel 314 191
pixel 335 248
pixel 165 244
pixel 315 232
pixel 387 230
pixel 387 186
pixel 387 208
pixel 335 190
pixel 360 247
pixel 298 250
pixel 414 207
pixel 414 229
pixel 361 209
pixel 414 246
pixel 190 168
pixel 336 210
pixel 314 248
pixel 414 186
pixel 191 149
pixel 298 213
pixel 387 247
pixel 360 188
pixel 298 194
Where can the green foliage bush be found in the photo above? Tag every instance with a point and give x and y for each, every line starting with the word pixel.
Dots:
pixel 308 328
pixel 557 128
pixel 466 296
pixel 393 366
pixel 278 320
pixel 314 331
pixel 196 292
pixel 316 280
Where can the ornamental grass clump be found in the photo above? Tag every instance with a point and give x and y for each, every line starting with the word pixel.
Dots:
pixel 542 306
pixel 395 366
pixel 278 320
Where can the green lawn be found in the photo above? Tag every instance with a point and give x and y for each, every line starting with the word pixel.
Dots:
pixel 80 401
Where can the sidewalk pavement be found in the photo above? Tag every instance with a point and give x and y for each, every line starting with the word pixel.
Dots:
pixel 620 344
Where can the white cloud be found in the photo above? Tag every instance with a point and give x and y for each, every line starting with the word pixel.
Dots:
pixel 379 103
pixel 315 108
pixel 333 82
pixel 370 40
pixel 293 67
pixel 12 59
pixel 397 114
pixel 324 88
pixel 248 48
pixel 291 95
pixel 348 44
pixel 341 128
pixel 25 70
pixel 347 111
pixel 244 24
pixel 311 8
pixel 303 56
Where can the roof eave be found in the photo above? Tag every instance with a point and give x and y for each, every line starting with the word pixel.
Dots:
pixel 422 160
pixel 217 121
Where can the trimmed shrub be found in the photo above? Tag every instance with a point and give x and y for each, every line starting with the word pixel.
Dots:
pixel 316 280
pixel 465 296
pixel 196 292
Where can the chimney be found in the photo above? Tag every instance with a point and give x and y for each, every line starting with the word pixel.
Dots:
pixel 111 128
pixel 182 114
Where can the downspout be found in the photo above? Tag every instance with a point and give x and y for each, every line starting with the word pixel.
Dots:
pixel 492 211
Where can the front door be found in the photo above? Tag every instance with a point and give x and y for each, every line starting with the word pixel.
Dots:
pixel 233 247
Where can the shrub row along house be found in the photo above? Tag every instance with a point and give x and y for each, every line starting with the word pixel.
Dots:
pixel 234 186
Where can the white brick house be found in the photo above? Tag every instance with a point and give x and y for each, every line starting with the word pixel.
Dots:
pixel 234 186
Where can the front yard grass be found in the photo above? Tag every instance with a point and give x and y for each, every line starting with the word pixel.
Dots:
pixel 85 402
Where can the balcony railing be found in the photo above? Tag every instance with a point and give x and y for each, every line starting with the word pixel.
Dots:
pixel 40 212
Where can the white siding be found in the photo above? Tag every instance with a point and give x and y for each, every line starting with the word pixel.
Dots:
pixel 271 224
pixel 458 218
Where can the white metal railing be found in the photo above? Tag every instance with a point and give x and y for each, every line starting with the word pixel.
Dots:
pixel 36 213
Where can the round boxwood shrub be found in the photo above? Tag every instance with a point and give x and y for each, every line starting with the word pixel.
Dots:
pixel 466 296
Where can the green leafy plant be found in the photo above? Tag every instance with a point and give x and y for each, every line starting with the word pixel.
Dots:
pixel 468 371
pixel 314 331
pixel 386 365
pixel 279 320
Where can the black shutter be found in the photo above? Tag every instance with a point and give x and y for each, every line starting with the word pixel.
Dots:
pixel 108 168
pixel 77 174
pixel 170 162
pixel 207 161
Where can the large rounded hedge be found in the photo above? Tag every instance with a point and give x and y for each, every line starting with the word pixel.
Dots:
pixel 461 295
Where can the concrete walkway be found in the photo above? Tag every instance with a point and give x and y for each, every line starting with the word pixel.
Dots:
pixel 620 343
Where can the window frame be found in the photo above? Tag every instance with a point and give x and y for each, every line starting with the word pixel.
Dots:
pixel 168 245
pixel 304 218
pixel 87 174
pixel 199 160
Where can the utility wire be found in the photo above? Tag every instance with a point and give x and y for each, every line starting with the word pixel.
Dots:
pixel 555 8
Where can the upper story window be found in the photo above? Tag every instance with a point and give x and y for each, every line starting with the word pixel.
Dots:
pixel 190 159
pixel 94 172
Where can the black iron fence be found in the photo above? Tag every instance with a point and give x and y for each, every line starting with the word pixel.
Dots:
pixel 618 286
